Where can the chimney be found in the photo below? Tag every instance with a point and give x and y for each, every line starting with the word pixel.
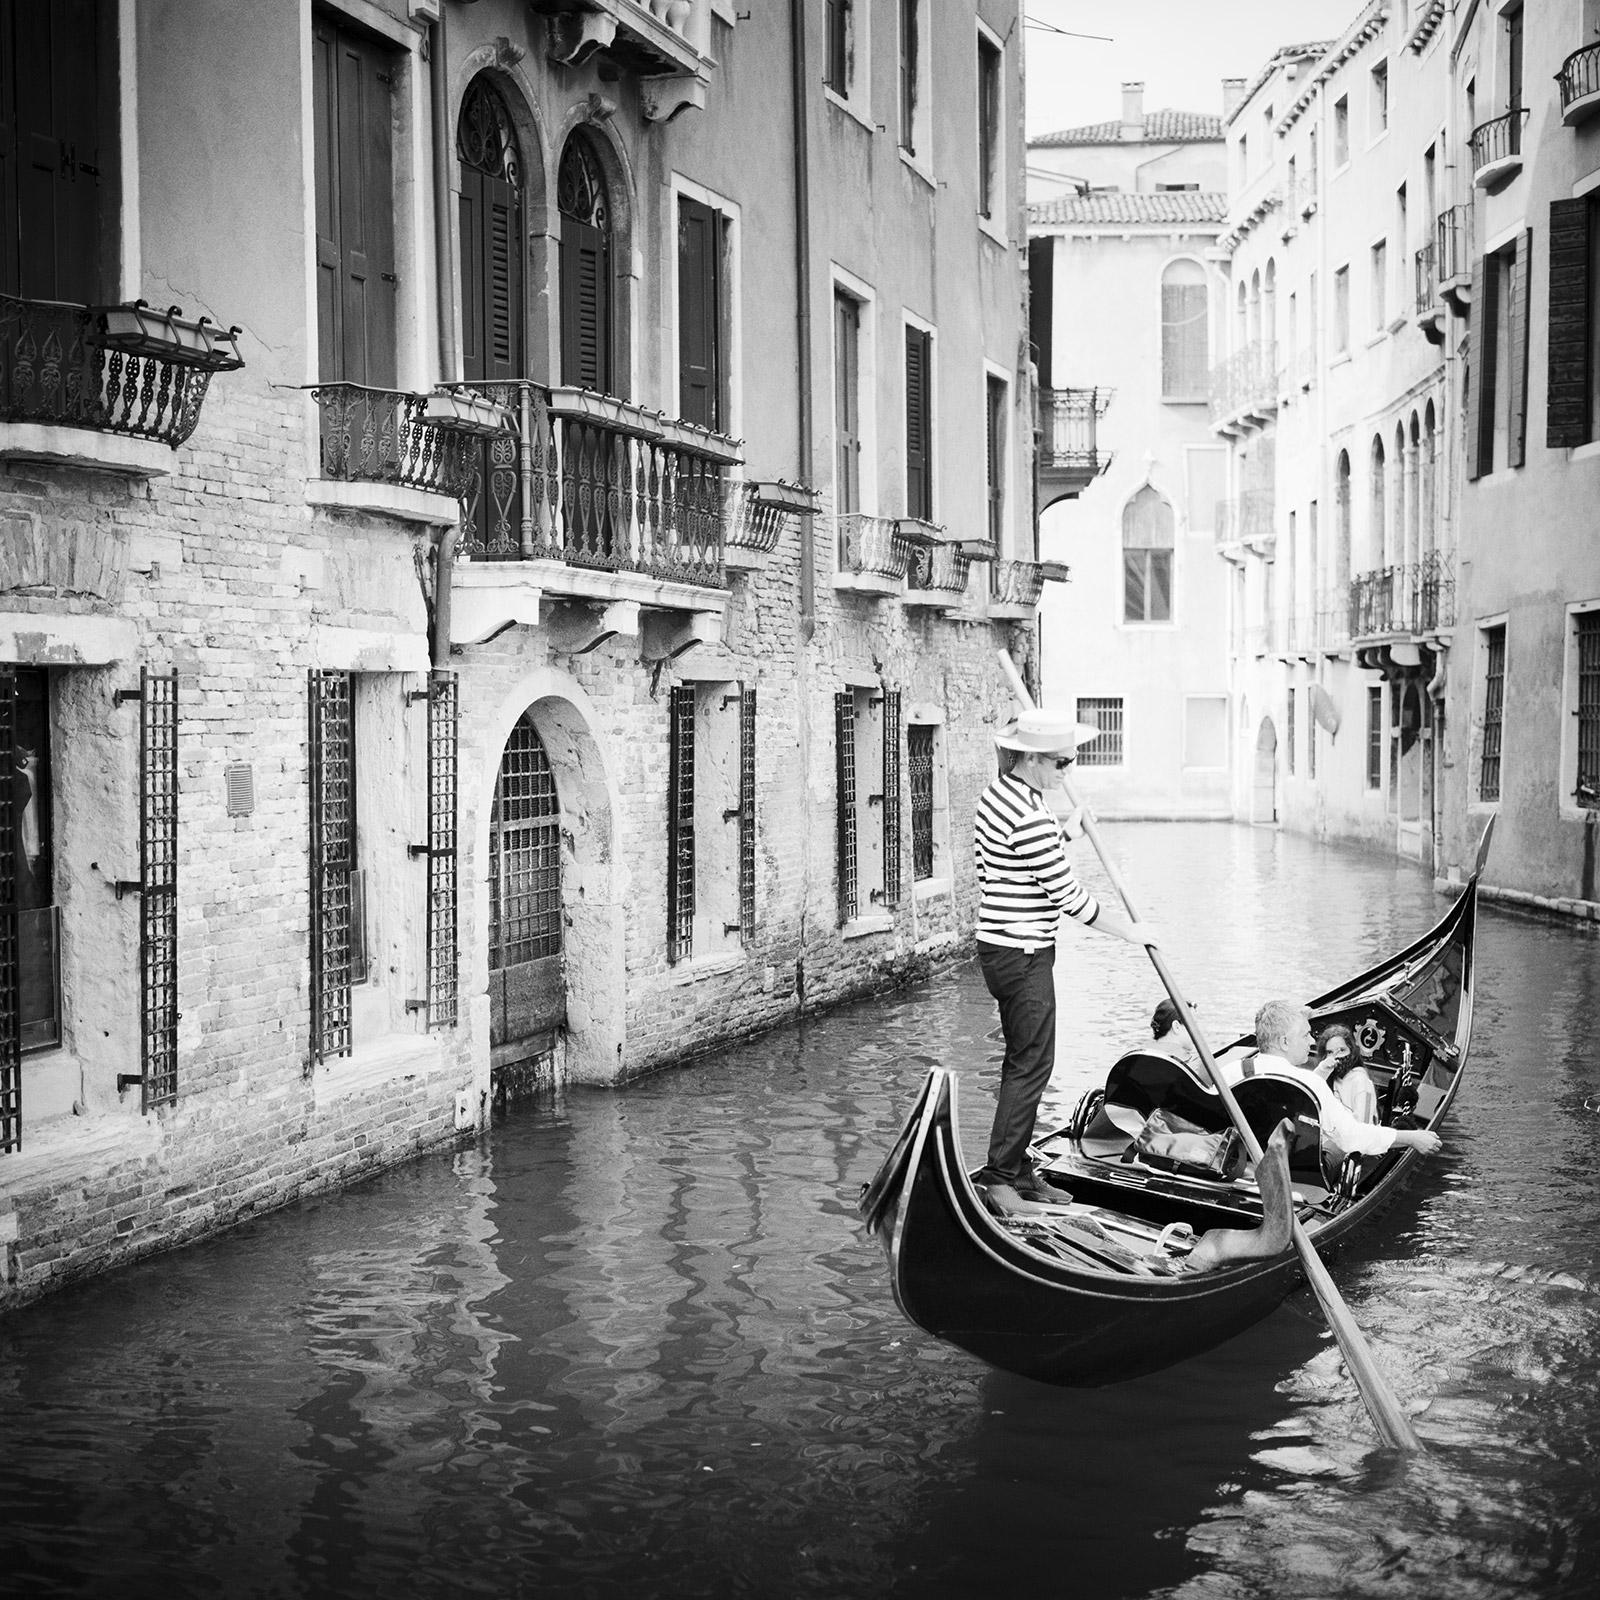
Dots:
pixel 1133 111
pixel 1232 94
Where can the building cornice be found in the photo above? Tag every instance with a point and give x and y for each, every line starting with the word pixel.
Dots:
pixel 1366 27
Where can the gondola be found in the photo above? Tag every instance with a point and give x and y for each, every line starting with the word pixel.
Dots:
pixel 1096 1291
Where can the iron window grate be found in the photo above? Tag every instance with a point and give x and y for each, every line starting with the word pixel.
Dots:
pixel 680 825
pixel 1587 792
pixel 524 855
pixel 1374 737
pixel 333 838
pixel 919 777
pixel 158 875
pixel 10 974
pixel 891 797
pixel 1494 685
pixel 443 748
pixel 844 717
pixel 747 815
pixel 1106 715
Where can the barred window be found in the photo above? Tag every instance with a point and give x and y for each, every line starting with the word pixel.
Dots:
pixel 919 774
pixel 1587 792
pixel 1494 682
pixel 333 862
pixel 1374 737
pixel 680 825
pixel 1288 729
pixel 844 736
pixel 1106 715
pixel 870 763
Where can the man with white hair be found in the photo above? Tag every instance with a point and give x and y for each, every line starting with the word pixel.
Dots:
pixel 1026 884
pixel 1283 1042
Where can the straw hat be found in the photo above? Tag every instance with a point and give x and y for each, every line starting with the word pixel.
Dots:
pixel 1045 733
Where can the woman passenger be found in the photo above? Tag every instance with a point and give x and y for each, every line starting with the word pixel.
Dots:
pixel 1338 1059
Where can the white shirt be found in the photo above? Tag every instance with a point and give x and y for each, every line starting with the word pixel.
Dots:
pixel 1340 1127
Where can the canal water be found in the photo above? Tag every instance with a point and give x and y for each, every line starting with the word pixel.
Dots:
pixel 635 1344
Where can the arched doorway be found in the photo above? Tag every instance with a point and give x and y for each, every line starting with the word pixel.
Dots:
pixel 527 984
pixel 493 342
pixel 587 353
pixel 1264 791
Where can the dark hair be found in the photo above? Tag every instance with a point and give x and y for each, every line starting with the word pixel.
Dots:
pixel 1162 1019
pixel 1339 1030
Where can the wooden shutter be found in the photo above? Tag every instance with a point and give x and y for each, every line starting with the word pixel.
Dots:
pixel 1517 352
pixel 491 278
pixel 1041 306
pixel 1480 361
pixel 585 307
pixel 356 282
pixel 847 401
pixel 51 163
pixel 1567 421
pixel 919 441
pixel 908 75
pixel 699 313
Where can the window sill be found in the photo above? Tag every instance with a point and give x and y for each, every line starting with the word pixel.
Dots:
pixel 1185 400
pixel 926 889
pixel 1585 452
pixel 994 234
pixel 866 927
pixel 1339 359
pixel 698 968
pixel 78 1146
pixel 383 1061
pixel 864 118
pixel 912 164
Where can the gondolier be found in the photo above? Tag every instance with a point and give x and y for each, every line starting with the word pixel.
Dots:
pixel 1026 885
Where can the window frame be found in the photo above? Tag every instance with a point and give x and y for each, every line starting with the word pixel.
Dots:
pixel 729 322
pixel 1580 733
pixel 1201 376
pixel 1150 552
pixel 992 175
pixel 925 508
pixel 1489 685
pixel 846 284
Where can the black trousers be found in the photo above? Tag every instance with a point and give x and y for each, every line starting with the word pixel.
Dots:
pixel 1023 982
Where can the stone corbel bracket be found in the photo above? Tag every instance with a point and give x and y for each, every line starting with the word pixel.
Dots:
pixel 665 635
pixel 577 35
pixel 661 99
pixel 575 627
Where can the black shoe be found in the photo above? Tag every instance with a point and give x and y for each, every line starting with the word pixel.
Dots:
pixel 1036 1187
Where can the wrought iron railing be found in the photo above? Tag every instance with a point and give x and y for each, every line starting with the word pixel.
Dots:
pixel 1068 430
pixel 379 436
pixel 873 546
pixel 594 481
pixel 938 568
pixel 1579 76
pixel 1426 284
pixel 60 366
pixel 1016 583
pixel 1418 597
pixel 1246 381
pixel 1498 139
pixel 748 521
pixel 1453 244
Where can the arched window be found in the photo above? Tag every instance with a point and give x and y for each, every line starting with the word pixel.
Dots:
pixel 1147 558
pixel 1377 509
pixel 1341 527
pixel 1428 512
pixel 1184 350
pixel 1269 316
pixel 585 207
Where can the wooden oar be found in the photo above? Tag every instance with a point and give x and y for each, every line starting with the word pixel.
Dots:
pixel 1393 1425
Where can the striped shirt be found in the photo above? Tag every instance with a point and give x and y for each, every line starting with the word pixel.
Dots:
pixel 1024 877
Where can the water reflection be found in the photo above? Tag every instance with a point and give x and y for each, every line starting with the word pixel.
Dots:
pixel 635 1344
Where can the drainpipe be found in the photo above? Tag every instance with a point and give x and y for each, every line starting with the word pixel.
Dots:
pixel 802 268
pixel 444 255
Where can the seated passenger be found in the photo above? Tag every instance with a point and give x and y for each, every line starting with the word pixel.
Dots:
pixel 1283 1040
pixel 1168 1039
pixel 1339 1064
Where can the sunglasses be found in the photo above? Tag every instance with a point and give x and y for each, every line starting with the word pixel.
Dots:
pixel 1063 762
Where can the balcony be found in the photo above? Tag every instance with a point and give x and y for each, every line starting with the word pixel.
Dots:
pixel 1403 602
pixel 936 573
pixel 1069 456
pixel 384 437
pixel 103 387
pixel 874 553
pixel 1496 149
pixel 662 42
pixel 1579 78
pixel 1453 257
pixel 597 507
pixel 1247 522
pixel 1244 388
pixel 754 516
pixel 1015 587
pixel 1429 313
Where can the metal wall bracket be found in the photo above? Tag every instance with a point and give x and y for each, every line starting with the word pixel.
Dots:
pixel 416 1005
pixel 122 696
pixel 127 1080
pixel 128 886
pixel 415 850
